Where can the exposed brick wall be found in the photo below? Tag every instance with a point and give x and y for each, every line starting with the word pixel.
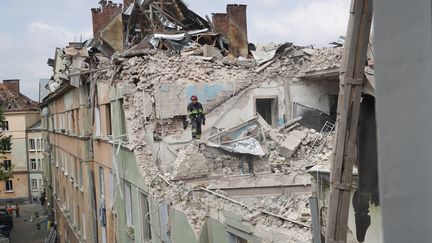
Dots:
pixel 233 26
pixel 126 3
pixel 101 15
pixel 220 24
pixel 237 26
pixel 12 85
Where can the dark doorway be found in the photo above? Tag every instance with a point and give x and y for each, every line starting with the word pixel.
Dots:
pixel 266 107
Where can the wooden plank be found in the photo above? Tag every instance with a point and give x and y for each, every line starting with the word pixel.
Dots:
pixel 168 15
pixel 347 119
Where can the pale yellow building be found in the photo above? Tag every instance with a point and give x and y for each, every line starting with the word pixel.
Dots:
pixel 36 163
pixel 20 113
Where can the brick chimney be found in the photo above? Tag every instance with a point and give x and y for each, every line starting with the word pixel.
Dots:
pixel 12 85
pixel 220 24
pixel 101 15
pixel 126 3
pixel 237 30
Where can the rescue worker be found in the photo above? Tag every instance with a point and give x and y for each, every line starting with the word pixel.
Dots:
pixel 196 115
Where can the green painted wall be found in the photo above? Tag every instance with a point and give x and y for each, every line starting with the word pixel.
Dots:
pixel 178 225
pixel 129 172
pixel 216 232
pixel 181 230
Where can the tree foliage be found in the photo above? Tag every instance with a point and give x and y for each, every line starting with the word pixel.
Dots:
pixel 5 146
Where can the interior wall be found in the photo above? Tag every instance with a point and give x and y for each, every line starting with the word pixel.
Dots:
pixel 313 94
pixel 403 51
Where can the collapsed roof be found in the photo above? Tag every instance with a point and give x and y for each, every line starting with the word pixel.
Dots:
pixel 12 100
pixel 150 16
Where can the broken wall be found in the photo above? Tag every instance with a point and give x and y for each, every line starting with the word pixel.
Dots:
pixel 158 85
pixel 312 94
pixel 243 107
pixel 112 33
pixel 374 234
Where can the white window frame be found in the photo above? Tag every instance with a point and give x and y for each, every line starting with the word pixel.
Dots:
pixel 32 144
pixel 112 185
pixel 10 165
pixel 38 144
pixel 10 187
pixel 97 121
pixel 5 126
pixel 33 164
pixel 101 181
pixel 128 203
pixel 39 164
pixel 40 184
pixel 83 225
pixel 34 184
pixel 80 174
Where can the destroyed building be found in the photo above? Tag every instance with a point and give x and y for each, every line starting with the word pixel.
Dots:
pixel 122 163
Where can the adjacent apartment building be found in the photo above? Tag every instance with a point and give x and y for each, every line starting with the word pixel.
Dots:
pixel 20 114
pixel 80 134
pixel 36 148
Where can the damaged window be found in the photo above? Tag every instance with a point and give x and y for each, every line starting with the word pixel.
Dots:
pixel 97 121
pixel 128 203
pixel 122 121
pixel 108 119
pixel 145 214
pixel 32 144
pixel 232 238
pixel 266 107
pixel 5 125
pixel 9 186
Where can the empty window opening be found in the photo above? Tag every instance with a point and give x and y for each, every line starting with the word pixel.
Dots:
pixel 232 238
pixel 267 108
pixel 7 164
pixel 9 186
pixel 145 218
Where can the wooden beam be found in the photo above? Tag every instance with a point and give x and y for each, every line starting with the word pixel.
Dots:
pixel 351 77
pixel 168 15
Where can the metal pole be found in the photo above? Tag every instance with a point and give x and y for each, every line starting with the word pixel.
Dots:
pixel 351 77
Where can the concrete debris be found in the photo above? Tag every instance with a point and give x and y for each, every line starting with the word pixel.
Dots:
pixel 145 77
pixel 324 58
pixel 189 164
pixel 291 143
pixel 156 74
pixel 210 51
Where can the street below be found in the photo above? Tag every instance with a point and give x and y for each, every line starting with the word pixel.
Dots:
pixel 25 228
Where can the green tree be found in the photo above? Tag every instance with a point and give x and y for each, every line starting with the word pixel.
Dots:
pixel 5 146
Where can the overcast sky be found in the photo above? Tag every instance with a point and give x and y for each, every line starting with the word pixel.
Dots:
pixel 31 29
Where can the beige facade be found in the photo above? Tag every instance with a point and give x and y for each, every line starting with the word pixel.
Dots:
pixel 35 149
pixel 80 167
pixel 17 190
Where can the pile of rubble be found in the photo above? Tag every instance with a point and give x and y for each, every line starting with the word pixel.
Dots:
pixel 300 148
pixel 12 100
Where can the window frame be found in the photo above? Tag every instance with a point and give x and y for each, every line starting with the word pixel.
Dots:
pixel 7 167
pixel 128 204
pixel 32 144
pixel 34 184
pixel 33 162
pixel 10 183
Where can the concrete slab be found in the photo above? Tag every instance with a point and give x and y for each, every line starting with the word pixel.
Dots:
pixel 291 143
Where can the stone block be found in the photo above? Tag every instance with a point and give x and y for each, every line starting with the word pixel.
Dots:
pixel 288 147
pixel 190 164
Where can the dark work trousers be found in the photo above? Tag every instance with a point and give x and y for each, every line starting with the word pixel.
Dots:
pixel 196 129
pixel 249 160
